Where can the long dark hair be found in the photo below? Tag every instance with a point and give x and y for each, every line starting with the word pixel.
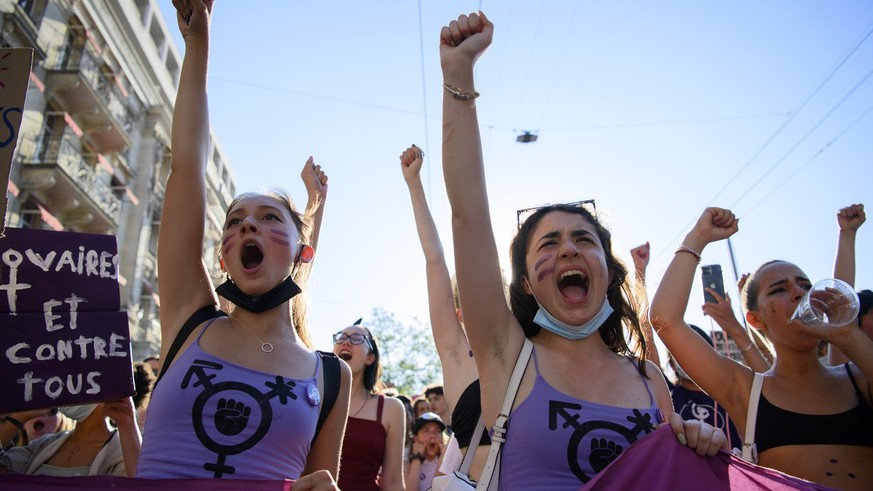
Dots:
pixel 619 293
pixel 373 371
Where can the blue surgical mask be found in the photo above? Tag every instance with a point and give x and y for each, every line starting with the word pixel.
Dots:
pixel 78 413
pixel 548 322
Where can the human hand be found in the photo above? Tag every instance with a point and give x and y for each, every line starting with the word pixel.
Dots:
pixel 315 180
pixel 742 281
pixel 320 480
pixel 121 411
pixel 410 163
pixel 837 306
pixel 193 17
pixel 464 40
pixel 722 313
pixel 704 438
pixel 417 447
pixel 715 224
pixel 640 256
pixel 851 217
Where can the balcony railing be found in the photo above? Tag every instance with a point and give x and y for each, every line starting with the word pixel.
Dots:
pixel 61 152
pixel 83 61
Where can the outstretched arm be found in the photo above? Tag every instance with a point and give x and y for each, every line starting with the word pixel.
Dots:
pixel 183 281
pixel 640 256
pixel 316 183
pixel 718 375
pixel 850 220
pixel 459 369
pixel 493 332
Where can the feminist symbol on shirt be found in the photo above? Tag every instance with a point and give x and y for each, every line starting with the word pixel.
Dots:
pixel 231 414
pixel 602 450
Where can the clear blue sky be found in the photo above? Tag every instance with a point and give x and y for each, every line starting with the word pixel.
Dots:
pixel 654 109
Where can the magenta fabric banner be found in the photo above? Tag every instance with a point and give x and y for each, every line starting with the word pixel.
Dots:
pixel 47 483
pixel 63 339
pixel 658 462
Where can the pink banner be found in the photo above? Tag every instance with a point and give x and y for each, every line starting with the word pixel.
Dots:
pixel 658 462
pixel 47 483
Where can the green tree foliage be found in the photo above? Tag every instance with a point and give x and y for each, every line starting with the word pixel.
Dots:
pixel 408 354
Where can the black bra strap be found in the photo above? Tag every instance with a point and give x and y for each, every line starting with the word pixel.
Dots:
pixel 197 318
pixel 854 384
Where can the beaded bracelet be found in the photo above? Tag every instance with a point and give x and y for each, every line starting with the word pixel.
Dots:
pixel 685 248
pixel 459 93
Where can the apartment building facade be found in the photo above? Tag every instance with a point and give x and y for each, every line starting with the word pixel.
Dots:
pixel 93 150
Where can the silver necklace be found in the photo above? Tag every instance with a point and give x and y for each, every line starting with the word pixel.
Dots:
pixel 265 346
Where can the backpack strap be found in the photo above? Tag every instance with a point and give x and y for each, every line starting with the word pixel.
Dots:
pixel 202 315
pixel 332 376
pixel 750 451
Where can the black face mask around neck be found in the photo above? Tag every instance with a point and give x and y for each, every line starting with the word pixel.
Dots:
pixel 281 293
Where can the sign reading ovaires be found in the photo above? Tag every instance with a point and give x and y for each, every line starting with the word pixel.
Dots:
pixel 63 339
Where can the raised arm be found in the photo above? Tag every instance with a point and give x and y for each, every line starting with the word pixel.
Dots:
pixel 316 183
pixel 850 220
pixel 723 314
pixel 718 375
pixel 493 332
pixel 183 282
pixel 459 369
pixel 640 256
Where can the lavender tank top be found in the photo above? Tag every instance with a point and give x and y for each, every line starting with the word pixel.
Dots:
pixel 211 418
pixel 557 442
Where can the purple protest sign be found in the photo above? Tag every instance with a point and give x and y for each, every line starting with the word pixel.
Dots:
pixel 63 339
pixel 39 265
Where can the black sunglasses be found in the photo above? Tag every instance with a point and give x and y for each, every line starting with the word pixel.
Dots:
pixel 525 213
pixel 354 338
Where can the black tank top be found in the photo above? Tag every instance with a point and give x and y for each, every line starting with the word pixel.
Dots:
pixel 777 427
pixel 466 414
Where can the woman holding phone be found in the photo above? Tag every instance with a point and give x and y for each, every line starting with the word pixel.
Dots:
pixel 812 421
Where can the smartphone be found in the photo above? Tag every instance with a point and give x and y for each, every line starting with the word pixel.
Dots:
pixel 712 278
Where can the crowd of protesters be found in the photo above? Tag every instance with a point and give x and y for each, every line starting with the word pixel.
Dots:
pixel 565 349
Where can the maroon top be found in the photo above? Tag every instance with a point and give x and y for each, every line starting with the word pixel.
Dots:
pixel 363 452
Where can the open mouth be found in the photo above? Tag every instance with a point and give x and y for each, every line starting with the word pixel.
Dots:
pixel 251 255
pixel 345 355
pixel 573 284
